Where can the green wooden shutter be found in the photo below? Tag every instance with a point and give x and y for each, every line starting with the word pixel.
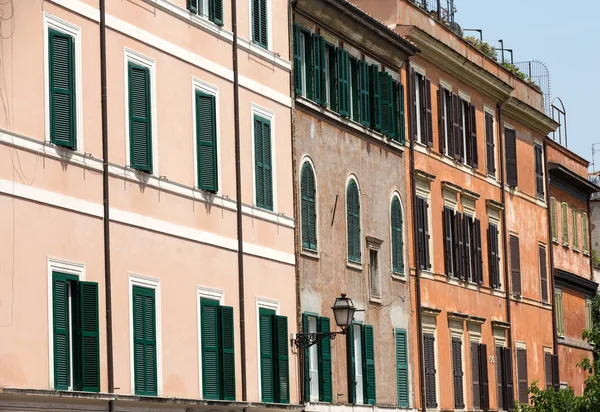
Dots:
pixel 585 233
pixel 318 54
pixel 192 6
pixel 369 365
pixel 386 104
pixel 553 218
pixel 306 361
pixel 90 338
pixel 297 62
pixel 375 97
pixel 351 364
pixel 325 383
pixel 263 172
pixel 282 388
pixel 144 340
pixel 402 367
pixel 227 354
pixel 574 225
pixel 353 222
pixel 365 93
pixel 267 367
pixel 565 224
pixel 62 89
pixel 60 309
pixel 259 22
pixel 343 81
pixel 397 241
pixel 206 142
pixel 140 129
pixel 401 118
pixel 209 319
pixel 308 208
pixel 215 11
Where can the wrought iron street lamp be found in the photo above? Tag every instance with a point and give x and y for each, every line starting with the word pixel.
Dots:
pixel 343 312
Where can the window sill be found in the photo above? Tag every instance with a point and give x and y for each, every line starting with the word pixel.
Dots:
pixel 565 245
pixel 586 253
pixel 427 274
pixel 398 276
pixel 374 299
pixel 311 254
pixel 499 293
pixel 356 266
pixel 555 241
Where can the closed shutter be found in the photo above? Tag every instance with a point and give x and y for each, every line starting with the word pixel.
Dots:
pixel 429 355
pixel 555 373
pixel 459 257
pixel 61 55
pixel 548 369
pixel 306 360
pixel 192 5
pixel 462 123
pixel 144 337
pixel 428 113
pixel 475 380
pixel 441 120
pixel 574 226
pixel 457 127
pixel 343 81
pixel 140 128
pixel 585 233
pixel 543 274
pixel 215 11
pixel 262 158
pixel 467 254
pixel 565 223
pixel 483 377
pixel 259 22
pixel 473 126
pixel 308 208
pixel 413 84
pixel 227 354
pixel 351 371
pixel 331 66
pixel 282 380
pixel 387 104
pixel 448 218
pixel 560 327
pixel 539 171
pixel 499 377
pixel 553 222
pixel 489 145
pixel 375 97
pixel 402 368
pixel 478 255
pixel 318 54
pixel 423 233
pixel 209 315
pixel 353 222
pixel 355 92
pixel 523 384
pixel 206 141
pixel 90 338
pixel 515 265
pixel 401 115
pixel 369 365
pixel 510 138
pixel 297 61
pixel 448 97
pixel 457 373
pixel 325 381
pixel 494 257
pixel 397 241
pixel 507 378
pixel 267 357
pixel 61 327
pixel 365 93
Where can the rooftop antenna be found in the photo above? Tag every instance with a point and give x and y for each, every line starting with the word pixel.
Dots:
pixel 594 150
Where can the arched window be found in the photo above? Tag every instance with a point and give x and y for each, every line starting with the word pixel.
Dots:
pixel 397 241
pixel 353 221
pixel 308 208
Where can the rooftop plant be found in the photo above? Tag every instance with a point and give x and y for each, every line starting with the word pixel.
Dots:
pixel 483 47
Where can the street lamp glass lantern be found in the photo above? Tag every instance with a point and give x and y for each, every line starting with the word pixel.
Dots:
pixel 343 311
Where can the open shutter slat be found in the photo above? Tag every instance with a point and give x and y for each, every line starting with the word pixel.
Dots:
pixel 441 120
pixel 457 373
pixel 515 265
pixel 206 141
pixel 61 50
pixel 448 217
pixel 215 11
pixel 140 130
pixel 428 113
pixel 144 319
pixel 267 367
pixel 209 316
pixel 429 358
pixel 351 364
pixel 369 365
pixel 365 93
pixel 397 241
pixel 402 368
pixel 60 307
pixel 543 274
pixel 523 384
pixel 375 97
pixel 282 387
pixel 90 337
pixel 413 83
pixel 475 378
pixel 227 354
pixel 473 126
pixel 510 138
pixel 297 61
pixel 489 144
pixel 483 377
pixel 325 381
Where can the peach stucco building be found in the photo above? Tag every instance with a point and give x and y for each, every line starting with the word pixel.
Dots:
pixel 178 337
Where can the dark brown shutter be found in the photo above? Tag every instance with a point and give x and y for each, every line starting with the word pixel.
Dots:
pixel 539 171
pixel 449 122
pixel 461 119
pixel 507 378
pixel 468 132
pixel 499 375
pixel 489 144
pixel 522 382
pixel 515 265
pixel 428 113
pixel 429 355
pixel 483 377
pixel 468 249
pixel 458 247
pixel 413 84
pixel 457 373
pixel 473 126
pixel 479 254
pixel 510 137
pixel 543 274
pixel 441 120
pixel 548 369
pixel 456 126
pixel 494 263
pixel 475 368
pixel 448 217
pixel 423 233
pixel 555 373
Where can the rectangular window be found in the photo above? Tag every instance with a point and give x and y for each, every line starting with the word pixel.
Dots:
pixel 317 361
pixel 354 90
pixel 375 97
pixel 515 265
pixel 343 82
pixel 445 115
pixel 262 163
pixel 259 23
pixel 543 274
pixel 63 119
pixel 490 145
pixel 585 233
pixel 588 314
pixel 470 135
pixel 479 376
pixel 421 101
pixel 217 345
pixel 539 170
pixel 504 378
pixel 522 382
pixel 319 69
pixel 457 129
pixel 459 250
pixel 510 138
pixel 551 370
pixel 331 77
pixel 144 341
pixel 457 373
pixel 213 9
pixel 361 362
pixel 402 368
pixel 467 241
pixel 206 141
pixel 423 233
pixel 76 334
pixel 558 304
pixel 494 256
pixel 274 367
pixel 430 371
pixel 448 219
pixel 364 85
pixel 140 127
pixel 553 222
pixel 565 224
pixel 575 229
pixel 375 279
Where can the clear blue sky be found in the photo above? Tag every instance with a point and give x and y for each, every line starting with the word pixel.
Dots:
pixel 562 34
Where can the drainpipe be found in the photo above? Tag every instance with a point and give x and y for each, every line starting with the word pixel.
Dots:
pixel 106 207
pixel 550 253
pixel 505 231
pixel 238 196
pixel 413 196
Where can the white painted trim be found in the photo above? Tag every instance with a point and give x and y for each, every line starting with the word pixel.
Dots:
pixel 140 221
pixel 307 159
pixel 207 293
pixel 540 144
pixel 62 266
pixel 499 336
pixel 149 283
pixel 269 26
pixel 131 56
pixel 509 126
pixel 464 96
pixel 199 85
pixel 267 304
pixel 257 110
pixel 418 69
pixel 445 85
pixel 474 330
pixel 53 22
pixel 357 265
pixel 429 325
pixel 396 194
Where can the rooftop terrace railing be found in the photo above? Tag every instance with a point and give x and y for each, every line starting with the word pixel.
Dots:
pixel 442 10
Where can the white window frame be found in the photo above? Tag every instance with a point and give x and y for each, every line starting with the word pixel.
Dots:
pixel 55 23
pixel 358 365
pixel 420 71
pixel 350 263
pixel 374 267
pixel 560 318
pixel 212 294
pixel 257 110
pixel 494 218
pixel 303 73
pixel 313 355
pixel 456 328
pixel 131 56
pixel 269 26
pixel 541 146
pixel 70 268
pixel 491 112
pixel 308 159
pixel 401 276
pixel 423 189
pixel 429 325
pixel 267 304
pixel 149 283
pixel 468 207
pixel 207 88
